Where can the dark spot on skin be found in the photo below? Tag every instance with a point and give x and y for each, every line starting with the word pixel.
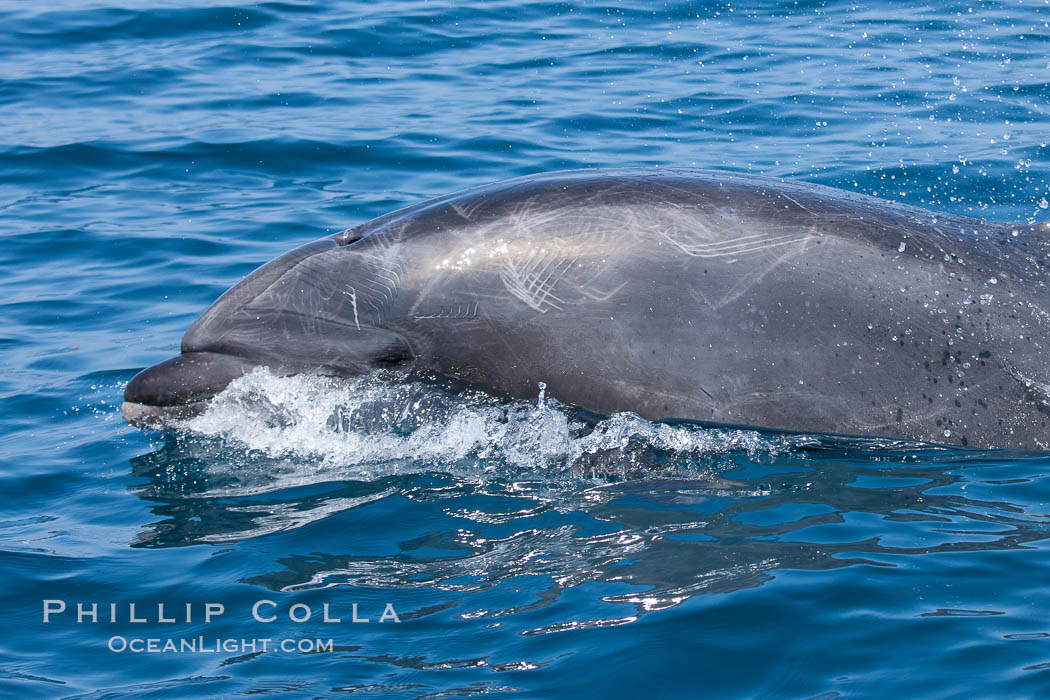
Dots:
pixel 900 415
pixel 964 441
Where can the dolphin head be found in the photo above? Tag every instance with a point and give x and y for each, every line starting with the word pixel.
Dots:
pixel 325 307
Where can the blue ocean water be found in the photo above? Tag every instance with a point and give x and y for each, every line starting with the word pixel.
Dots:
pixel 153 152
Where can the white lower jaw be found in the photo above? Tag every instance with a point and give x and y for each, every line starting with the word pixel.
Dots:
pixel 143 415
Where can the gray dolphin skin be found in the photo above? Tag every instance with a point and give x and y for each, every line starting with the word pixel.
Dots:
pixel 717 297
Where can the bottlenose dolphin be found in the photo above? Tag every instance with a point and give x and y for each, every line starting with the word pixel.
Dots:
pixel 718 297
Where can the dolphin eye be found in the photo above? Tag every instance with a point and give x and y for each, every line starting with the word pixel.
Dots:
pixel 392 358
pixel 376 347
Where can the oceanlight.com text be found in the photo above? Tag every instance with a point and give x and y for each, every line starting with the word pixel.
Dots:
pixel 204 645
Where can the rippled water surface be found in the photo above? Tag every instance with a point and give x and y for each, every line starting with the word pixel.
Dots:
pixel 152 153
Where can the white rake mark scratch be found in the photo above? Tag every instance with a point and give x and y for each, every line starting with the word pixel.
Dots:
pixel 798 204
pixel 380 285
pixel 390 274
pixel 600 296
pixel 457 313
pixel 533 280
pixel 353 301
pixel 466 208
pixel 377 288
pixel 1041 390
pixel 733 246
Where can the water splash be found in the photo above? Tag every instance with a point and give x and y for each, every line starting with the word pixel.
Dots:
pixel 365 425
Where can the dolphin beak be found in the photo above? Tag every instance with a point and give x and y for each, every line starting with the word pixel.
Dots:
pixel 179 387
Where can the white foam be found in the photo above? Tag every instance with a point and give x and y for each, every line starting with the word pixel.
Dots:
pixel 372 422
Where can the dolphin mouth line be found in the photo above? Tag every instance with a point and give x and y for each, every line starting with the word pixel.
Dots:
pixel 142 415
pixel 183 386
pixel 179 387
